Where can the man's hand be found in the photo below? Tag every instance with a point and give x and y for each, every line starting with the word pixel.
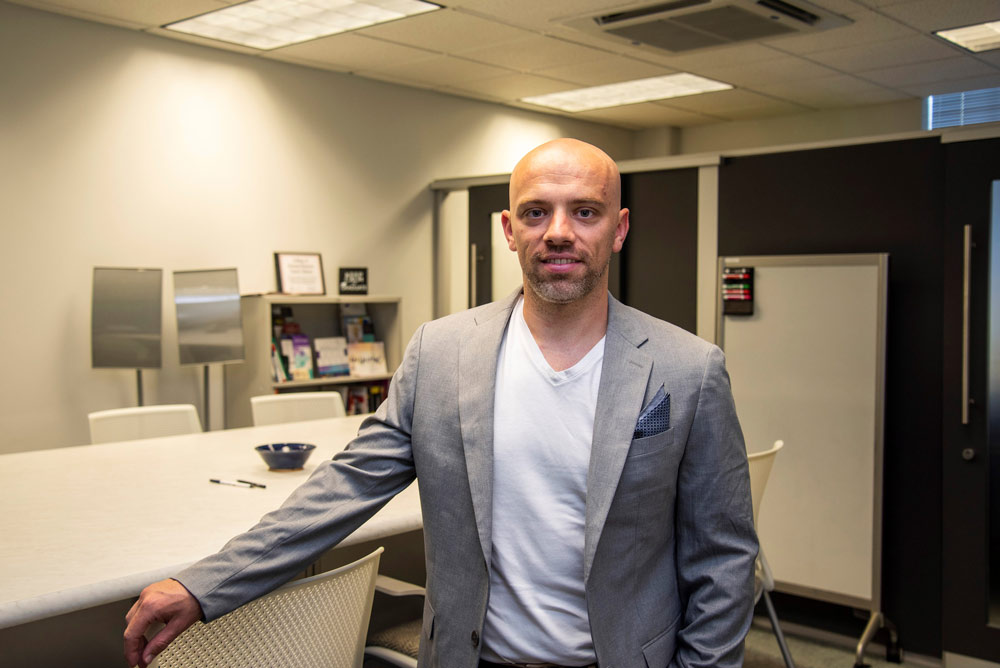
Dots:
pixel 166 601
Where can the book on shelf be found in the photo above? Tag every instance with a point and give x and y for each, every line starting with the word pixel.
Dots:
pixel 367 358
pixel 376 395
pixel 358 325
pixel 331 356
pixel 358 328
pixel 278 370
pixel 357 400
pixel 301 359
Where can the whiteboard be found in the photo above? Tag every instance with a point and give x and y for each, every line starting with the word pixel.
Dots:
pixel 808 368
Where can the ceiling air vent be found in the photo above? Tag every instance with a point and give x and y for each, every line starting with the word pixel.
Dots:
pixel 688 25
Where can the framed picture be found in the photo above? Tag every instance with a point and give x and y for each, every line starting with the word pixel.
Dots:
pixel 353 280
pixel 300 273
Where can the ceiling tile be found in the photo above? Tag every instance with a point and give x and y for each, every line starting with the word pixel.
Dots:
pixel 645 115
pixel 929 15
pixel 533 53
pixel 609 69
pixel 353 51
pixel 538 15
pixel 722 56
pixel 991 57
pixel 954 85
pixel 128 12
pixel 733 104
pixel 868 27
pixel 750 75
pixel 915 49
pixel 833 92
pixel 513 87
pixel 438 71
pixel 960 67
pixel 445 30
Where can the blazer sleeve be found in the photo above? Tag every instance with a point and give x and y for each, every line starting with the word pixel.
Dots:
pixel 338 497
pixel 715 537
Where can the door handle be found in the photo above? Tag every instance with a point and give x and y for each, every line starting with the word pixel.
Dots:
pixel 966 288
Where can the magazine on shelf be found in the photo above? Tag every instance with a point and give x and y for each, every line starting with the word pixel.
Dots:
pixel 367 358
pixel 331 356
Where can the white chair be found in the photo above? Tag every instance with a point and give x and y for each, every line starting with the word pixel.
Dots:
pixel 296 407
pixel 129 424
pixel 318 621
pixel 760 471
pixel 396 645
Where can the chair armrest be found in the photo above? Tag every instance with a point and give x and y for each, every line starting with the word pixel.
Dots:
pixel 394 587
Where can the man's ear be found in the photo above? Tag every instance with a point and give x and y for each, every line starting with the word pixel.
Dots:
pixel 621 230
pixel 507 230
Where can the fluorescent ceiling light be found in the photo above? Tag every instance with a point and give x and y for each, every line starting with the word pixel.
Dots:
pixel 270 24
pixel 980 37
pixel 628 92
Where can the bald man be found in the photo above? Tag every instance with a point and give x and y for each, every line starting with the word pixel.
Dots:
pixel 583 477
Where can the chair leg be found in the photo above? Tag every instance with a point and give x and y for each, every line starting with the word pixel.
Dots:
pixel 782 645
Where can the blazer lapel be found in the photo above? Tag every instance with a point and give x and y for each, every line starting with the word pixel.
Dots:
pixel 477 370
pixel 624 376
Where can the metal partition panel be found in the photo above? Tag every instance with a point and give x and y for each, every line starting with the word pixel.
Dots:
pixel 126 318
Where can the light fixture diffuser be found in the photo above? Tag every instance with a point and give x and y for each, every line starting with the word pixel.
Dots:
pixel 628 92
pixel 271 24
pixel 975 38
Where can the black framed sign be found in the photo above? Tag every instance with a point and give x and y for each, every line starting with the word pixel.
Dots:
pixel 354 280
pixel 300 273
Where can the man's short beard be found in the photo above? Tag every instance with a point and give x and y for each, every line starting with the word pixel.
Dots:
pixel 564 290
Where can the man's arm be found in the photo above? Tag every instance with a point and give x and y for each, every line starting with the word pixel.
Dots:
pixel 716 541
pixel 338 497
pixel 166 602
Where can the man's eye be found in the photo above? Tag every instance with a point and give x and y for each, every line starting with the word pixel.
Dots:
pixel 586 213
pixel 534 213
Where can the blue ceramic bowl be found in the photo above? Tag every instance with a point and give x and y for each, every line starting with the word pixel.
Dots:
pixel 285 456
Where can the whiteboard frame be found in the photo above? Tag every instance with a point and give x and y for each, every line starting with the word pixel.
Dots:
pixel 881 262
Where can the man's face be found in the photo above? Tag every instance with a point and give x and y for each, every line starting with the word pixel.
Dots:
pixel 565 220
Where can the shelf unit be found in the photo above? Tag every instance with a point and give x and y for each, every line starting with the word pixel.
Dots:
pixel 317 317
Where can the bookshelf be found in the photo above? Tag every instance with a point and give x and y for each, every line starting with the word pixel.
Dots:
pixel 317 317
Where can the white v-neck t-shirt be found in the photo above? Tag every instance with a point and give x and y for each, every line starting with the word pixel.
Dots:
pixel 543 427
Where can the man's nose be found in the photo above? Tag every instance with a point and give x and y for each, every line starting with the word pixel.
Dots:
pixel 560 229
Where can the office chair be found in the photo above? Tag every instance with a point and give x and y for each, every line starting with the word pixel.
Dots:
pixel 129 424
pixel 296 407
pixel 318 621
pixel 760 470
pixel 398 644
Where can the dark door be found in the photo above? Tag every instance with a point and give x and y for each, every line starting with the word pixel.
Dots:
pixel 971 448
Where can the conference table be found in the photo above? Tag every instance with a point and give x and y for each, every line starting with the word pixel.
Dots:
pixel 89 525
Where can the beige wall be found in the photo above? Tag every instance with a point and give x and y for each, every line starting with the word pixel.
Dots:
pixel 123 149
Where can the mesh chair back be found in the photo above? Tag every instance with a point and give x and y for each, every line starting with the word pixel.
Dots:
pixel 319 621
pixel 296 407
pixel 129 424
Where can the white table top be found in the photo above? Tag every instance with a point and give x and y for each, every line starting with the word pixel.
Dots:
pixel 88 525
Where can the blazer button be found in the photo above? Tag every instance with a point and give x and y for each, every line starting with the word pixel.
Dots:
pixel 475 638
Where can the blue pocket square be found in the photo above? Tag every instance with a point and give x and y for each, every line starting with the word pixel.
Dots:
pixel 655 418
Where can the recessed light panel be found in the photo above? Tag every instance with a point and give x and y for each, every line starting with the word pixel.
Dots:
pixel 628 92
pixel 976 38
pixel 270 24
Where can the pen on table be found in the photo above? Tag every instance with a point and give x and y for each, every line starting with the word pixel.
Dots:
pixel 234 483
pixel 252 483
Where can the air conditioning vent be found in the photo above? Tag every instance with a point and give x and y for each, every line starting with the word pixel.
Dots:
pixel 688 25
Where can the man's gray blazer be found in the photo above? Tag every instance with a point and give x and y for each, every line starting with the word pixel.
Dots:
pixel 670 544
